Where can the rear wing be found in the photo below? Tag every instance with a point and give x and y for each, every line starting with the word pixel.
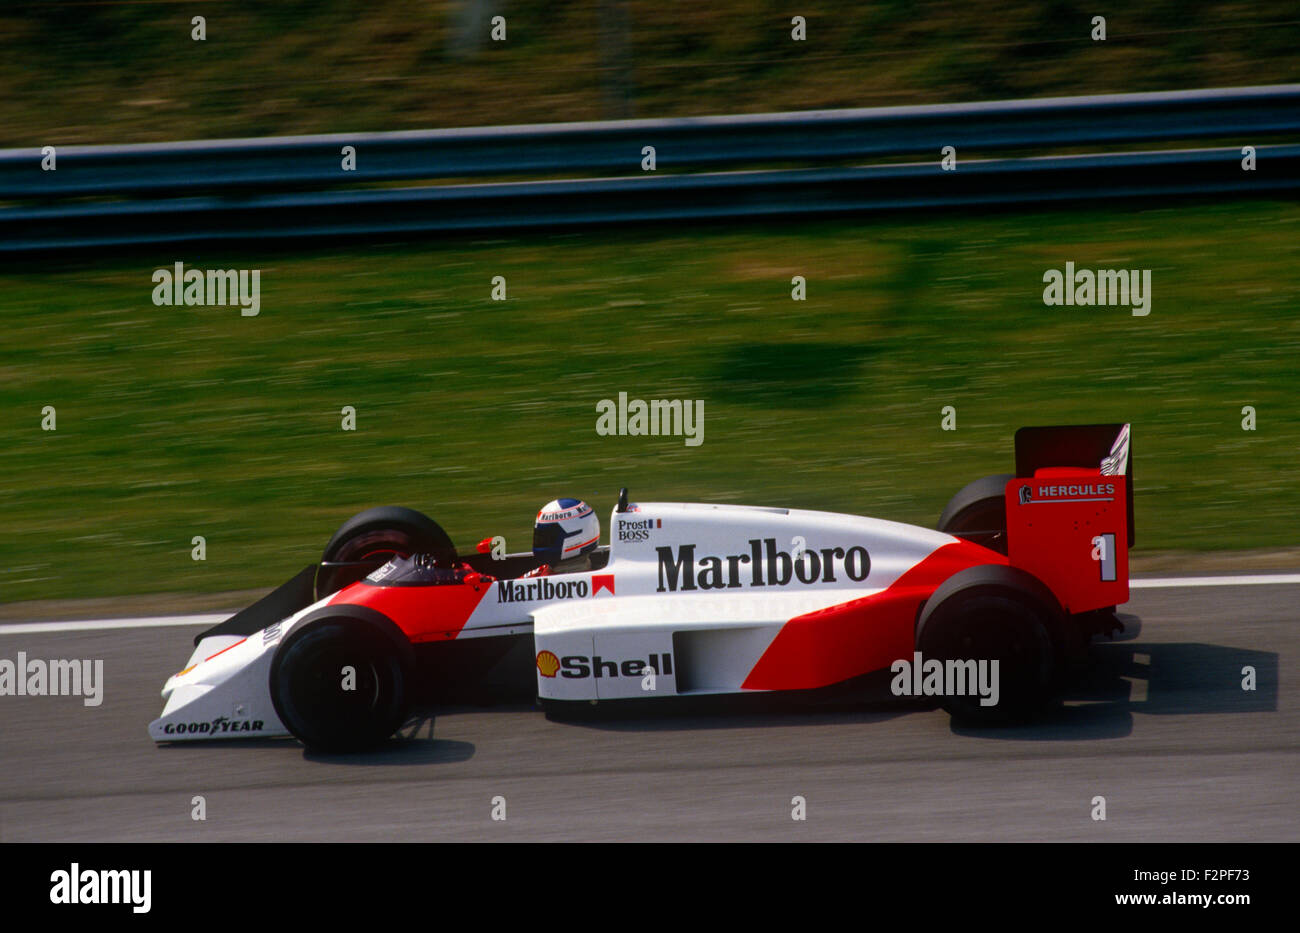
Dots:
pixel 1105 447
pixel 1070 511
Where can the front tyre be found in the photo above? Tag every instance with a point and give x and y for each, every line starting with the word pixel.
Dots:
pixel 340 685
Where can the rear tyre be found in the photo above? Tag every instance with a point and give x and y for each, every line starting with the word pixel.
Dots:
pixel 369 539
pixel 987 623
pixel 979 512
pixel 340 685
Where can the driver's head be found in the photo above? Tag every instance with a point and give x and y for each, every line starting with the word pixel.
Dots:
pixel 565 528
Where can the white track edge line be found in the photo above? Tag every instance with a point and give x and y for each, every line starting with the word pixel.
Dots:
pixel 1244 580
pixel 93 625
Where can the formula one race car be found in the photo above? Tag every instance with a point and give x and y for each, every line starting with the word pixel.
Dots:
pixel 688 599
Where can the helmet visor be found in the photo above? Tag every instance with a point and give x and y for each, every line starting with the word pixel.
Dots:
pixel 548 539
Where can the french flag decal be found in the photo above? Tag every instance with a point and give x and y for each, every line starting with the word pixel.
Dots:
pixel 602 581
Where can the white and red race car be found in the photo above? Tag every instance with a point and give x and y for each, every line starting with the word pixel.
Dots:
pixel 687 600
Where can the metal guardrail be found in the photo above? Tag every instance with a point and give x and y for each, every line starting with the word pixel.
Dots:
pixel 556 204
pixel 295 186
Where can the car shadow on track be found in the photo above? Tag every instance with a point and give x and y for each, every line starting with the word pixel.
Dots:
pixel 696 719
pixel 413 744
pixel 1131 676
pixel 680 714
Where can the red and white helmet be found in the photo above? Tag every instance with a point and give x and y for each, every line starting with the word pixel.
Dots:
pixel 565 528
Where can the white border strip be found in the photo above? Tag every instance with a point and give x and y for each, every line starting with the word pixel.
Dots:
pixel 1245 580
pixel 95 625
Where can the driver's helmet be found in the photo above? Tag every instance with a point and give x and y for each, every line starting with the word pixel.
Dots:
pixel 565 528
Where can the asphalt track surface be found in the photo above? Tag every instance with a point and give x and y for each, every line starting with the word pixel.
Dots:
pixel 1161 729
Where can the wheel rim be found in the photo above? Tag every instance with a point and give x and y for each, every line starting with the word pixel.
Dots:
pixel 1010 635
pixel 316 686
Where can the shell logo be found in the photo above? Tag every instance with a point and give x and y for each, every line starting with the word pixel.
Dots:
pixel 547 663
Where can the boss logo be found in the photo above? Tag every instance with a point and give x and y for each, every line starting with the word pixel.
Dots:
pixel 638 530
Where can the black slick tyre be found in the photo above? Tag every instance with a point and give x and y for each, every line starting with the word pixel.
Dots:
pixel 370 538
pixel 992 614
pixel 340 684
pixel 978 512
